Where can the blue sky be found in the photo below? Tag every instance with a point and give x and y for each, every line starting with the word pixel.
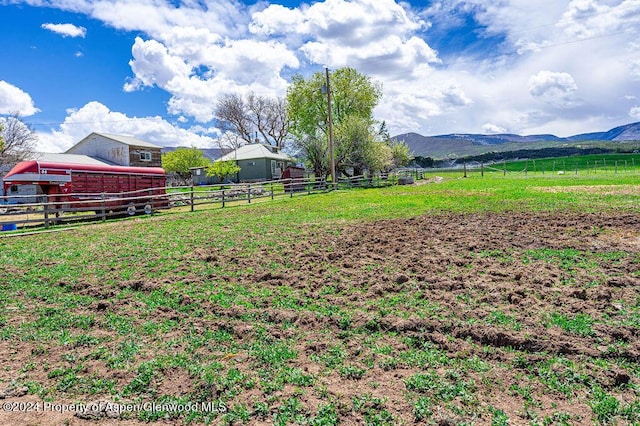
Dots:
pixel 154 69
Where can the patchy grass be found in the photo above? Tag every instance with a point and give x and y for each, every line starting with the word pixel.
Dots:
pixel 470 301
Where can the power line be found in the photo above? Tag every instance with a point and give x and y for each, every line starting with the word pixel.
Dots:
pixel 541 47
pixel 524 30
pixel 154 118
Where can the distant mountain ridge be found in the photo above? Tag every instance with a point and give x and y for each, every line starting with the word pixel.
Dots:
pixel 463 144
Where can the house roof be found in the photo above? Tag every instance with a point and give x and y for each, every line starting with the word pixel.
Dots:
pixel 126 140
pixel 252 152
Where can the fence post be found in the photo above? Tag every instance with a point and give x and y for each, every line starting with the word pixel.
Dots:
pixel 482 169
pixel 272 190
pixel 191 196
pixel 151 200
pixel 223 198
pixel 526 167
pixel 46 212
pixel 249 193
pixel 104 208
pixel 290 187
pixel 464 165
pixel 504 167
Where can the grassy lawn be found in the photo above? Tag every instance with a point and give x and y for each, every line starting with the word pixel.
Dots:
pixel 470 301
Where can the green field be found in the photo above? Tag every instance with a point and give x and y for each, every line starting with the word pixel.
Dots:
pixel 583 164
pixel 484 300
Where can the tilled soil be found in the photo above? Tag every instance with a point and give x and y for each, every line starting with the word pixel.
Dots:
pixel 531 316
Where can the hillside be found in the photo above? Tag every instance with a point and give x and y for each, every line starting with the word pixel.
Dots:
pixel 465 145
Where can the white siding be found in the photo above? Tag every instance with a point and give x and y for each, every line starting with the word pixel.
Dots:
pixel 103 148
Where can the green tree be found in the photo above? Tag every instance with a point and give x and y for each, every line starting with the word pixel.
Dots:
pixel 182 160
pixel 223 169
pixel 400 153
pixel 353 98
pixel 358 149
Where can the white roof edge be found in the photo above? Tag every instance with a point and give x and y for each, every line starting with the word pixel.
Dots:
pixel 127 140
pixel 70 158
pixel 253 151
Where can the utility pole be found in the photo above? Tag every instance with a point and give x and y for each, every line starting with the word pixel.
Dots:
pixel 332 163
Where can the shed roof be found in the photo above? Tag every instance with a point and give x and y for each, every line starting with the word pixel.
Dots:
pixel 70 158
pixel 252 152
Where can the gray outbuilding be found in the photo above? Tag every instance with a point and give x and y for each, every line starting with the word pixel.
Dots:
pixel 257 163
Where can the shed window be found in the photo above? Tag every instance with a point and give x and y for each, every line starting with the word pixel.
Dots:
pixel 276 168
pixel 145 156
pixel 198 172
pixel 251 163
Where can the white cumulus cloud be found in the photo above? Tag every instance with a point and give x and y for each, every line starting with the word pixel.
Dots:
pixel 96 117
pixel 197 78
pixel 66 30
pixel 15 100
pixel 555 88
pixel 154 65
pixel 594 18
pixel 490 128
pixel 494 71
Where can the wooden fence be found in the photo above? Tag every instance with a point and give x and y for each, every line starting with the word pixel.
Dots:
pixel 48 211
pixel 544 166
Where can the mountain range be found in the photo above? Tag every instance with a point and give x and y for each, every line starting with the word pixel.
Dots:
pixel 458 145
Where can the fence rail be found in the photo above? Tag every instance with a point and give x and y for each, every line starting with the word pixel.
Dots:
pixel 50 210
pixel 47 211
pixel 623 164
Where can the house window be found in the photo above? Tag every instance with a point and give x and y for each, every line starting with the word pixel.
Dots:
pixel 145 156
pixel 251 163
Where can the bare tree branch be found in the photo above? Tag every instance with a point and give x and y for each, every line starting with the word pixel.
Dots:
pixel 229 142
pixel 234 116
pixel 266 116
pixel 18 140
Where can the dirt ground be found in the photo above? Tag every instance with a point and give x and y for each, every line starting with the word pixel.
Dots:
pixel 483 291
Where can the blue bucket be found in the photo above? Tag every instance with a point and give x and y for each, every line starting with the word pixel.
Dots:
pixel 10 227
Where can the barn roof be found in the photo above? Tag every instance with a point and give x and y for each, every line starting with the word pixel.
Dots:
pixel 126 140
pixel 253 152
